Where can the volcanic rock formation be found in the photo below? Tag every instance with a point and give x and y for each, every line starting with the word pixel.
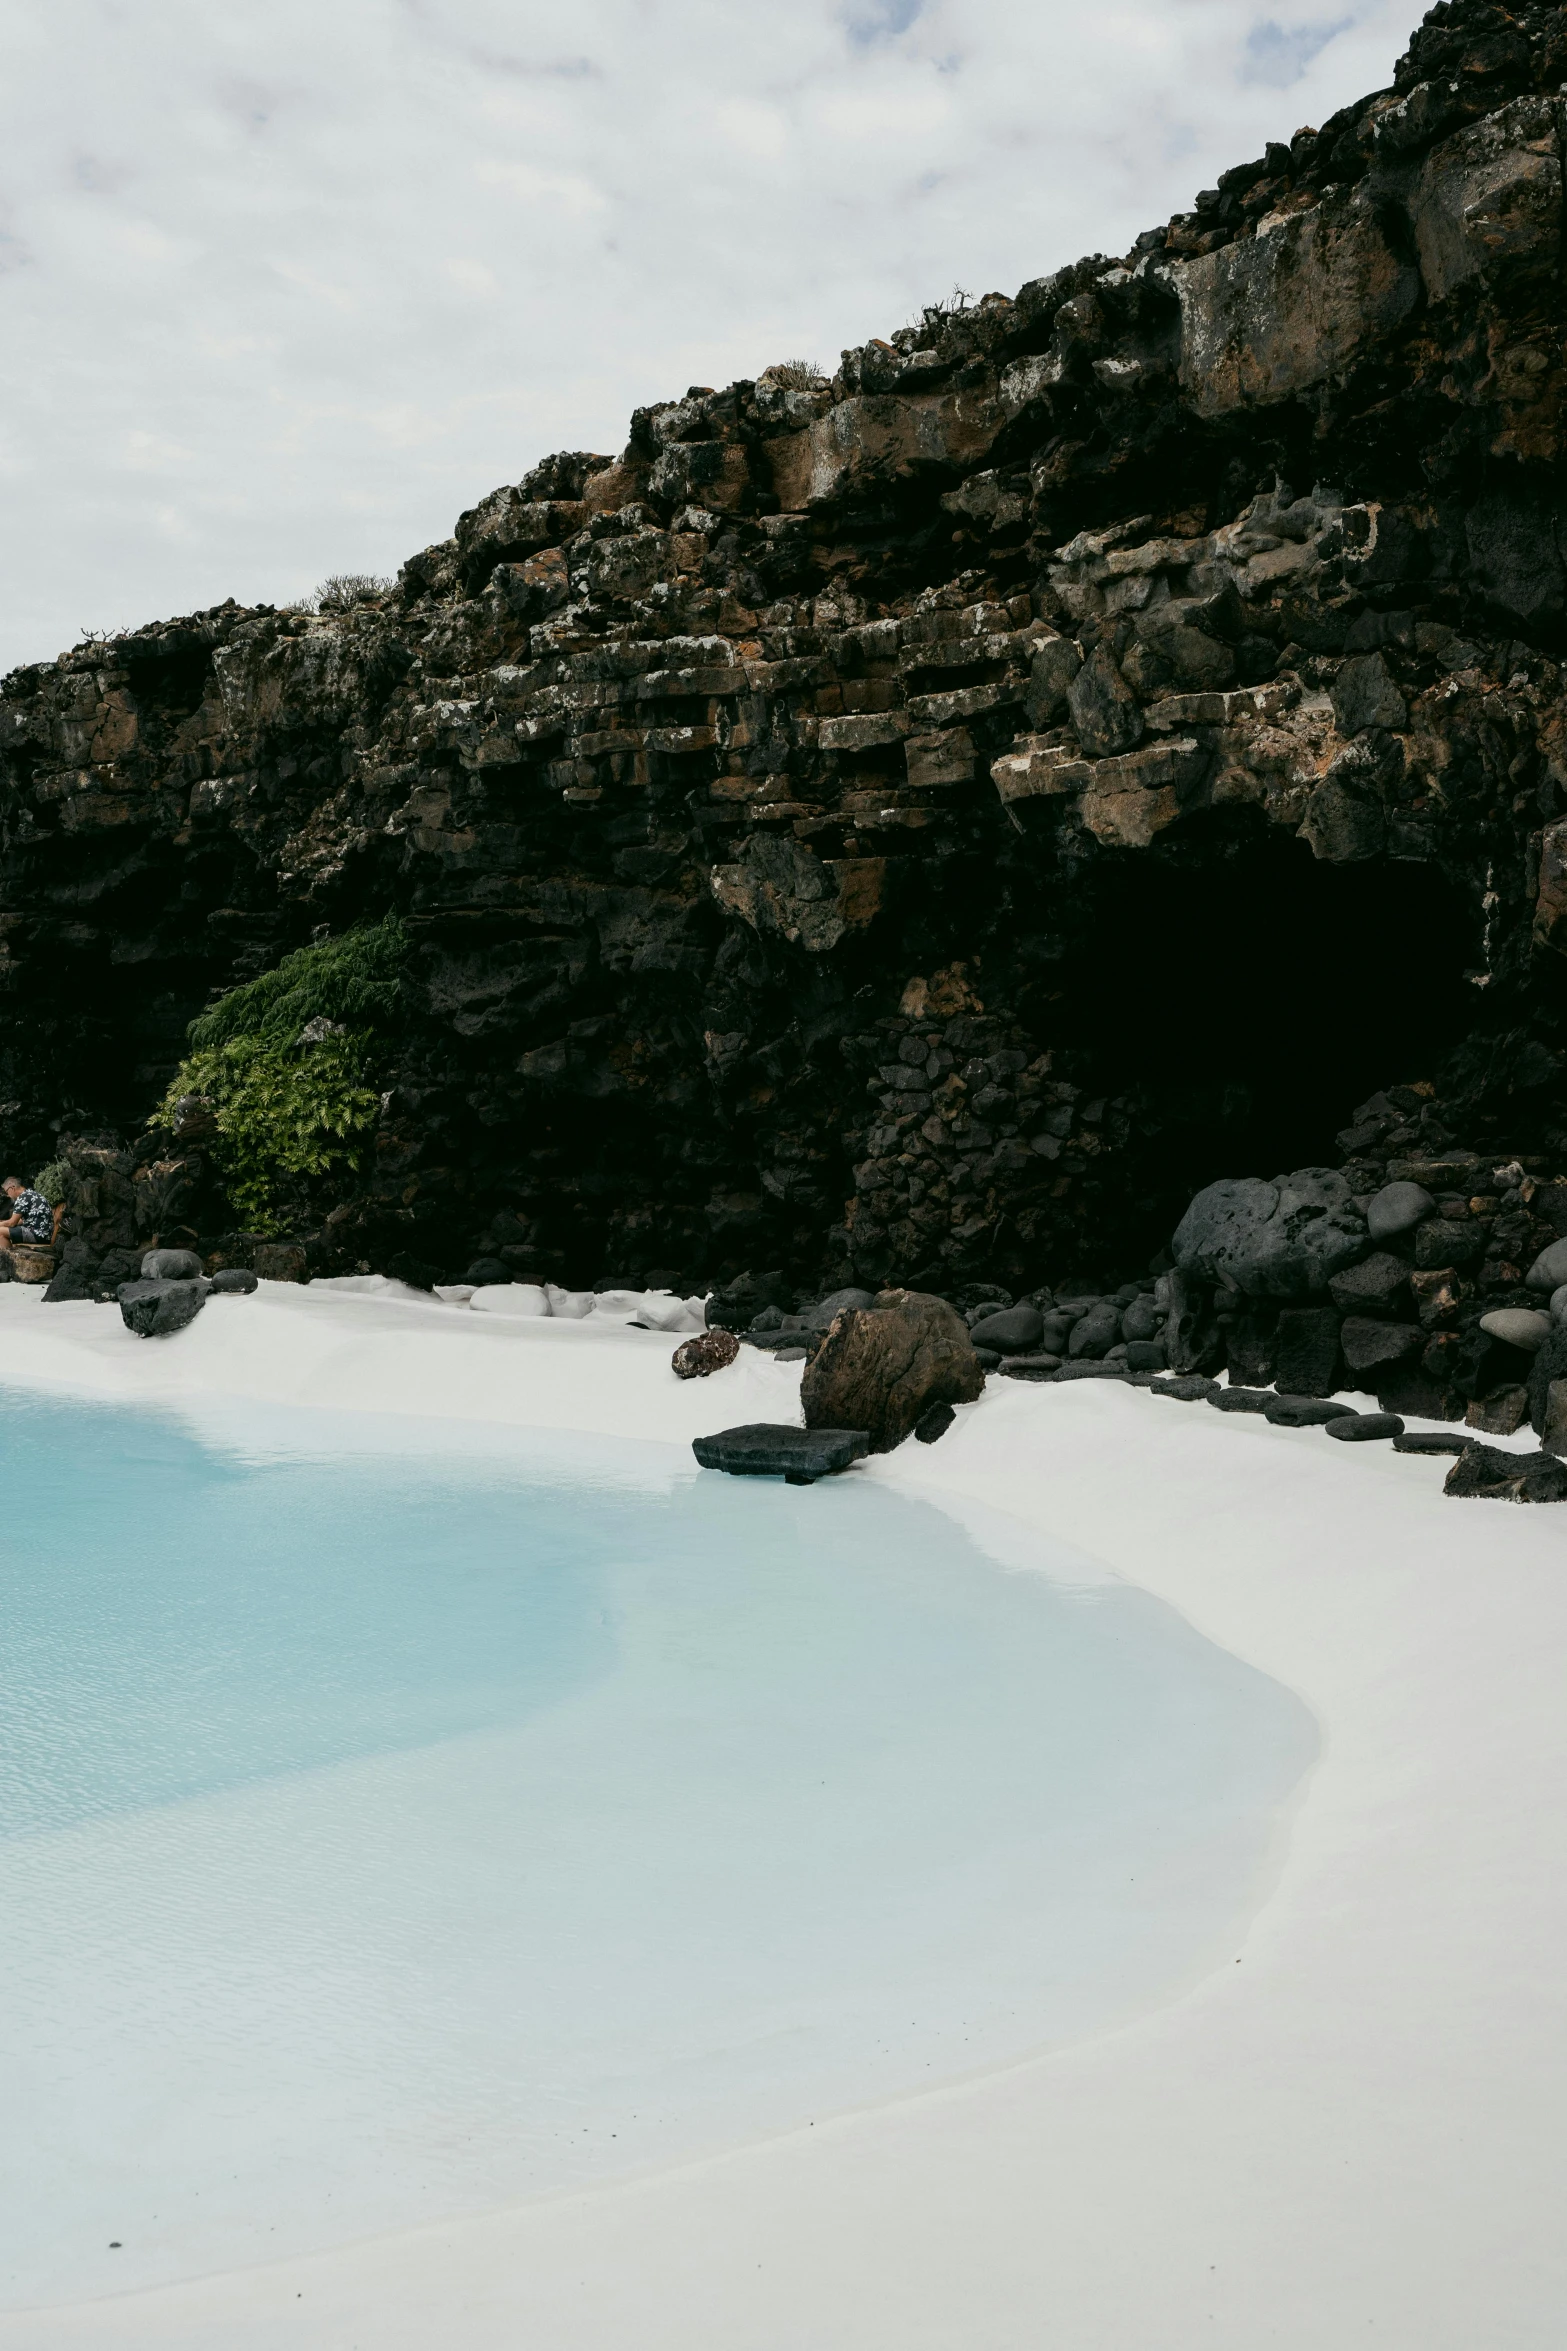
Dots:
pixel 917 826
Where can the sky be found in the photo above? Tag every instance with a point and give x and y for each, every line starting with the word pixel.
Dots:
pixel 287 284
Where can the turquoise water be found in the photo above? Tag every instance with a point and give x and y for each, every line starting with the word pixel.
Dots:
pixel 394 1822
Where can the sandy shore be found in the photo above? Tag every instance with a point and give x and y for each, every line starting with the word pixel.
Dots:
pixel 1350 2131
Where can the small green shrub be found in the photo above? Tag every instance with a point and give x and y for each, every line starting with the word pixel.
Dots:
pixel 290 1063
pixel 355 980
pixel 52 1182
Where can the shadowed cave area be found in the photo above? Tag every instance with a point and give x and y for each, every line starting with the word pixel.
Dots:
pixel 1249 1002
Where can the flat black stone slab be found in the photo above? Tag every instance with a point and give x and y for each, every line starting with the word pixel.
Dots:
pixel 1089 1371
pixel 1366 1427
pixel 1431 1441
pixel 1029 1367
pixel 1307 1412
pixel 1242 1399
pixel 772 1449
pixel 1189 1387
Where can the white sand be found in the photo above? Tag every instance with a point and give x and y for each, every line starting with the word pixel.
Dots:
pixel 1350 2132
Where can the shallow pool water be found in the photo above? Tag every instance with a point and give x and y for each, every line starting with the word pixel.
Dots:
pixel 394 1822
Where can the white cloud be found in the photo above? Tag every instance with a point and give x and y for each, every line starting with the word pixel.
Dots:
pixel 284 288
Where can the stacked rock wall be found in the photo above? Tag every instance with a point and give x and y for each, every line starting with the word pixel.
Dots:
pixel 794 815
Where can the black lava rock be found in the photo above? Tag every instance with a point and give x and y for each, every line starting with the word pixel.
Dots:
pixel 1306 1412
pixel 1016 1330
pixel 155 1310
pixel 767 1449
pixel 934 1424
pixel 1242 1399
pixel 1364 1428
pixel 1306 1361
pixel 1484 1473
pixel 233 1281
pixel 1188 1388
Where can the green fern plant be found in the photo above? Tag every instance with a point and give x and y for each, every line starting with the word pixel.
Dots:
pixel 290 1063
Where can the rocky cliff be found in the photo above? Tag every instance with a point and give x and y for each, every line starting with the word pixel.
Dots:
pixel 921 825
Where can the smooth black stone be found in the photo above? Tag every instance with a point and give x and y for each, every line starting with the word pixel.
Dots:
pixel 1430 1441
pixel 234 1281
pixel 934 1423
pixel 1307 1412
pixel 1189 1388
pixel 156 1310
pixel 1015 1330
pixel 765 1449
pixel 1242 1399
pixel 1146 1355
pixel 1366 1427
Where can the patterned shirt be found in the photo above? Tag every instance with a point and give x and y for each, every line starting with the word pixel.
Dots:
pixel 36 1214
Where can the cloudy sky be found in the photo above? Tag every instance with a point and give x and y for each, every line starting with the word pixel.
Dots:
pixel 288 283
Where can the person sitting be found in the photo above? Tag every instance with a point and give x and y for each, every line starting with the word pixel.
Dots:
pixel 30 1224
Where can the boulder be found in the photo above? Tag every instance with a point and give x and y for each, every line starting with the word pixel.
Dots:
pixel 1306 1412
pixel 822 1315
pixel 709 1351
pixel 284 1261
pixel 1364 695
pixel 155 1310
pixel 1105 711
pixel 767 1449
pixel 233 1281
pixel 1147 1355
pixel 934 1424
pixel 1501 1415
pixel 1364 1428
pixel 171 1265
pixel 29 1263
pixel 1549 1270
pixel 1250 1339
pixel 1420 1393
pixel 1483 1473
pixel 881 1368
pixel 1370 1346
pixel 1559 1304
pixel 1397 1209
pixel 1306 1356
pixel 1370 1287
pixel 486 1272
pixel 1284 1240
pixel 1518 1326
pixel 1016 1330
pixel 73 1281
pixel 1547 1364
pixel 1193 1339
pixel 1095 1333
pixel 1553 1418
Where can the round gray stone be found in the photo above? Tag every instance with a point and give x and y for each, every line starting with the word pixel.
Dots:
pixel 1549 1270
pixel 1396 1209
pixel 1015 1330
pixel 171 1265
pixel 1520 1326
